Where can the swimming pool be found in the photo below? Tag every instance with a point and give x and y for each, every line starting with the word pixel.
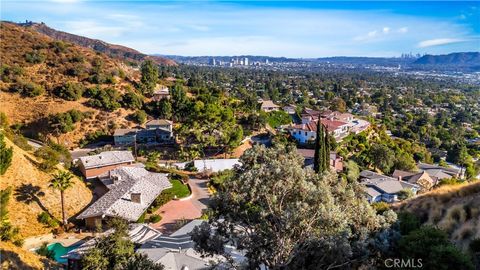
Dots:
pixel 60 250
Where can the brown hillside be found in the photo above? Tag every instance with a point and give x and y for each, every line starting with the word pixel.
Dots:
pixel 456 209
pixel 112 50
pixel 60 60
pixel 24 176
pixel 16 258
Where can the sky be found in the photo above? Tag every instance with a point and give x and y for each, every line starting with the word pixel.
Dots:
pixel 274 28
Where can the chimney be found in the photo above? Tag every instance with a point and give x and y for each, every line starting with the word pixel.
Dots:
pixel 399 178
pixel 136 197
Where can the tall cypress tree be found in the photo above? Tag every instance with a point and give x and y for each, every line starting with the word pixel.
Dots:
pixel 326 149
pixel 322 151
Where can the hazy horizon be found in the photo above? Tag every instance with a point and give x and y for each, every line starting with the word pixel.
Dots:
pixel 274 29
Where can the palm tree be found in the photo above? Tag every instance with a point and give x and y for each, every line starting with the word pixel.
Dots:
pixel 62 181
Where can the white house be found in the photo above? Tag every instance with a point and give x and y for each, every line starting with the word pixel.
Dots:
pixel 305 133
pixel 269 106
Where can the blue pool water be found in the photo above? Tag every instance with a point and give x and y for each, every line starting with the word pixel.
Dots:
pixel 60 250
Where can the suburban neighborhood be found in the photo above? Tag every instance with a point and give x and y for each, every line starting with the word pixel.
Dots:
pixel 239 135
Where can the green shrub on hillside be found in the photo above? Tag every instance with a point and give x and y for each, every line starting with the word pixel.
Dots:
pixel 35 57
pixel 10 73
pixel 433 247
pixel 64 122
pixel 132 101
pixel 139 116
pixel 70 91
pixel 8 232
pixel 107 99
pixel 28 89
pixel 46 219
pixel 51 155
pixel 6 154
pixel 98 135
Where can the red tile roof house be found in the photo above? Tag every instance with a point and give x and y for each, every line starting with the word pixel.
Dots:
pixel 93 166
pixel 309 115
pixel 131 190
pixel 306 133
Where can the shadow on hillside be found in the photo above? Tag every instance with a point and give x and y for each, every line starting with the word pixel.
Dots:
pixel 28 193
pixel 34 162
pixel 15 262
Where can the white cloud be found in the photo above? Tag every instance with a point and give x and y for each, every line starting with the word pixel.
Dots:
pixel 438 42
pixel 201 28
pixel 372 33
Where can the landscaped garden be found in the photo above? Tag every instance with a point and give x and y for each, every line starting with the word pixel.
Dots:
pixel 178 189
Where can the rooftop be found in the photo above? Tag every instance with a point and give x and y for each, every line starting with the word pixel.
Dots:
pixel 138 233
pixel 125 131
pixel 383 183
pixel 125 181
pixel 269 104
pixel 106 158
pixel 176 251
pixel 158 122
pixel 424 167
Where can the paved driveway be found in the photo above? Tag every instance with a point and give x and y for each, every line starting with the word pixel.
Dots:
pixel 176 210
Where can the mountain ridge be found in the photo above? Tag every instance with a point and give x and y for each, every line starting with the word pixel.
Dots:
pixel 113 50
pixel 457 58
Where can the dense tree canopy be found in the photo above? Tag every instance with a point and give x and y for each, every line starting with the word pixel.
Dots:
pixel 149 76
pixel 276 211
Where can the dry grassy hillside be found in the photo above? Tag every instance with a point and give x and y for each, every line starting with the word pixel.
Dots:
pixel 456 209
pixel 16 258
pixel 31 58
pixel 28 181
pixel 116 51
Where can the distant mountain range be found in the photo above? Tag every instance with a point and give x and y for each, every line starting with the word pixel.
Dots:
pixel 460 58
pixel 460 61
pixel 116 51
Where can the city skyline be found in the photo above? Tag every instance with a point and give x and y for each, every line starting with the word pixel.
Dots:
pixel 288 29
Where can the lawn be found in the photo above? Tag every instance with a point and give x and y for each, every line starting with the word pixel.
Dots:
pixel 179 189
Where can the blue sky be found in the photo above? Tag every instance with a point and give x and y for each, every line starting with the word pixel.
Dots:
pixel 291 29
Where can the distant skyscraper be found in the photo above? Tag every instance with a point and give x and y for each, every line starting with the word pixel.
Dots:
pixel 245 61
pixel 213 62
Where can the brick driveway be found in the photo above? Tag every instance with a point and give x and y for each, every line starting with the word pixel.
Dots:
pixel 189 209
